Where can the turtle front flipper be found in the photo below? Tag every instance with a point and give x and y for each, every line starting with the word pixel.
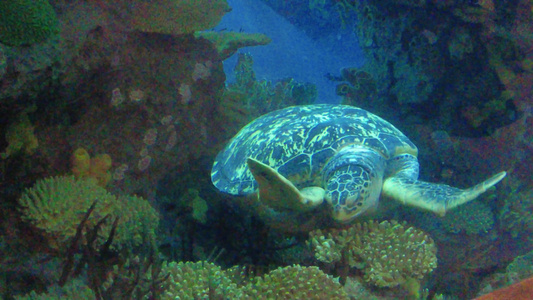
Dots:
pixel 438 198
pixel 279 193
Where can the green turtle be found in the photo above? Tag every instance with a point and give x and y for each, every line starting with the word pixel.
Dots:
pixel 336 157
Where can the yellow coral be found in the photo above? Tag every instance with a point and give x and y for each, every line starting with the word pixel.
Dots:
pixel 81 163
pixel 57 206
pixel 99 169
pixel 20 137
pixel 83 166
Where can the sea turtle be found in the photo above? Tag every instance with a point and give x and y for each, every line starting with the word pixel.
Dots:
pixel 295 158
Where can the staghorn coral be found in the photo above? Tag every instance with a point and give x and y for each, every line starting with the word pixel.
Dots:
pixel 326 248
pixel 295 282
pixel 26 22
pixel 390 253
pixel 471 218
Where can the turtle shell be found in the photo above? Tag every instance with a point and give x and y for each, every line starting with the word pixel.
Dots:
pixel 298 141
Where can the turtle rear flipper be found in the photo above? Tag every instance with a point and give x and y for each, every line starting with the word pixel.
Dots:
pixel 279 193
pixel 438 198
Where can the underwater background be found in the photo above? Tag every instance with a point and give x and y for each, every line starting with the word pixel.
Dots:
pixel 113 112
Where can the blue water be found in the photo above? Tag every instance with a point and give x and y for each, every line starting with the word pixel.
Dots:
pixel 291 53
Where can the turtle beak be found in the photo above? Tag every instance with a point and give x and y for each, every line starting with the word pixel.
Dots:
pixel 346 208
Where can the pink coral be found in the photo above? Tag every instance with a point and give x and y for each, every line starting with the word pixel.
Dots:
pixel 144 163
pixel 185 93
pixel 150 136
pixel 202 71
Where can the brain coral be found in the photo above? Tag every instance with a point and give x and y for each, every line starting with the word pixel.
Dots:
pixel 25 22
pixel 390 253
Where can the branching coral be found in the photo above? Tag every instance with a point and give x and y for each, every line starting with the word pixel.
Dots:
pixel 394 253
pixel 204 280
pixel 390 253
pixel 200 280
pixel 295 282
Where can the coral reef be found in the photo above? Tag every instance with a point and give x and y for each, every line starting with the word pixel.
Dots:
pixel 133 92
pixel 416 53
pixel 202 279
pixel 153 103
pixel 26 22
pixel 390 253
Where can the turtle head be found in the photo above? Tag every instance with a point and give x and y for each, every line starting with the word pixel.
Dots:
pixel 353 180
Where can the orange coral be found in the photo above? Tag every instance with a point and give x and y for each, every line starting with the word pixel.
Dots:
pixel 83 166
pixel 81 162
